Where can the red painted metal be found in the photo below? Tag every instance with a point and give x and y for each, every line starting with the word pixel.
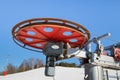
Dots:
pixel 117 54
pixel 5 73
pixel 37 34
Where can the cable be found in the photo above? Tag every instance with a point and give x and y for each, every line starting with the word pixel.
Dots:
pixel 113 40
pixel 75 53
pixel 95 35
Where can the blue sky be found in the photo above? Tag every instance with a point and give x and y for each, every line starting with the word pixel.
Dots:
pixel 98 16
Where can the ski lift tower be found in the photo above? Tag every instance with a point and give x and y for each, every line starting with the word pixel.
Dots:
pixel 55 37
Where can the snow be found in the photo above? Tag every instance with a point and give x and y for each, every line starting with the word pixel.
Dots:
pixel 62 73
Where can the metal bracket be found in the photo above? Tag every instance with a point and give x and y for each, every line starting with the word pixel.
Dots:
pixel 50 66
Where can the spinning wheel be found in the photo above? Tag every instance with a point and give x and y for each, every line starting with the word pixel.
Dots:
pixel 51 36
pixel 33 34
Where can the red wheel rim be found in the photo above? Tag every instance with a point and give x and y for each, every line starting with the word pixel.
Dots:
pixel 35 33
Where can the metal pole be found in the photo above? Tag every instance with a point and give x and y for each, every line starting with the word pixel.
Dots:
pixel 107 74
pixel 117 75
pixel 93 72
